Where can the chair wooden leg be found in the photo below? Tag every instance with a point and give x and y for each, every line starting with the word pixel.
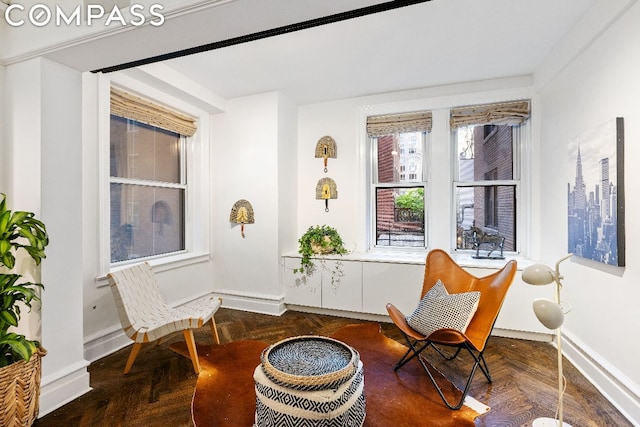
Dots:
pixel 191 345
pixel 132 356
pixel 214 330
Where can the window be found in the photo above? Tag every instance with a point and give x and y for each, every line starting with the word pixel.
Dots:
pixel 398 203
pixel 147 190
pixel 148 186
pixel 486 183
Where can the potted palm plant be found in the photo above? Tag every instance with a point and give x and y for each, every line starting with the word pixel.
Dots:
pixel 320 240
pixel 20 358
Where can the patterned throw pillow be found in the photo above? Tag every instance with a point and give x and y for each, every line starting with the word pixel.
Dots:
pixel 439 309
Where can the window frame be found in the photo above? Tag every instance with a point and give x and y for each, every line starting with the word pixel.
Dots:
pixel 195 169
pixel 183 184
pixel 374 185
pixel 519 136
pixel 440 223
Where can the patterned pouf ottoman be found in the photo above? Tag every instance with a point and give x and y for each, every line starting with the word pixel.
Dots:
pixel 309 381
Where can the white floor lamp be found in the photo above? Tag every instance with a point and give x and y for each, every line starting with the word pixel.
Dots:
pixel 551 315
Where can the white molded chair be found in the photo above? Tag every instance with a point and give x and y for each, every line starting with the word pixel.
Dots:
pixel 146 317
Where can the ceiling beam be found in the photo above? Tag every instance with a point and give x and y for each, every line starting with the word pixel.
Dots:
pixel 342 16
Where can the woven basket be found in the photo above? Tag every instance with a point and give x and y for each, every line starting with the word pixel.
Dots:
pixel 309 362
pixel 322 250
pixel 20 391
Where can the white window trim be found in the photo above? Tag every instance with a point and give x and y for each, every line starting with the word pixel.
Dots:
pixel 440 182
pixel 197 212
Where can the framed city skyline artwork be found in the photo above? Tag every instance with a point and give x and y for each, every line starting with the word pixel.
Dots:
pixel 596 194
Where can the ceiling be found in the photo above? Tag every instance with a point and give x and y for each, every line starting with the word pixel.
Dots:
pixel 411 44
pixel 428 44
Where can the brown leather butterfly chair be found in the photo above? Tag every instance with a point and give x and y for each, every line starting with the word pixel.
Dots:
pixel 493 289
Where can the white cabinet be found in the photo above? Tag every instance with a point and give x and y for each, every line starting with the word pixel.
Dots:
pixel 300 290
pixel 317 290
pixel 347 293
pixel 368 285
pixel 384 282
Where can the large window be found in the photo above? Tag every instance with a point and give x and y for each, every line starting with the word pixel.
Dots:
pixel 399 147
pixel 147 179
pixel 468 190
pixel 147 188
pixel 486 183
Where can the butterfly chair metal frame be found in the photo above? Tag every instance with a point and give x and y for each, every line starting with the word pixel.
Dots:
pixel 145 316
pixel 493 289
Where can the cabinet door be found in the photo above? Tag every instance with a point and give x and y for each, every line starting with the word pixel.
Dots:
pixel 346 294
pixel 298 289
pixel 516 312
pixel 399 284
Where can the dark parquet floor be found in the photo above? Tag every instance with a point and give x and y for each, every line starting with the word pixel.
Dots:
pixel 159 388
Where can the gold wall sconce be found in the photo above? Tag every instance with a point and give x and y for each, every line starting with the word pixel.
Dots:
pixel 326 148
pixel 326 189
pixel 241 213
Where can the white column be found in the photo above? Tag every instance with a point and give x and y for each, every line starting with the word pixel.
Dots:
pixel 43 113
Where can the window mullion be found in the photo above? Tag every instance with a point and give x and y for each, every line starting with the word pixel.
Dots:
pixel 486 183
pixel 146 183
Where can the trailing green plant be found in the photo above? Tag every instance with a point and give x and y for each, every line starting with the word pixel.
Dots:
pixel 320 239
pixel 19 230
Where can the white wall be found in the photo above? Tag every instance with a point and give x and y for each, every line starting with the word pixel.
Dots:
pixel 263 151
pixel 20 141
pixel 182 278
pixel 40 138
pixel 62 211
pixel 287 177
pixel 600 84
pixel 252 159
pixel 345 121
pixel 3 164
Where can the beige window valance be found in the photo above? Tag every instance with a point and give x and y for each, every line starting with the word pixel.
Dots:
pixel 505 113
pixel 127 105
pixel 397 123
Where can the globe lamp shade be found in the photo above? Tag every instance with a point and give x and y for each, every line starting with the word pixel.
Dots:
pixel 548 312
pixel 538 274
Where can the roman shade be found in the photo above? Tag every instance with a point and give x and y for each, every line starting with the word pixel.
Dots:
pixel 398 123
pixel 505 113
pixel 130 106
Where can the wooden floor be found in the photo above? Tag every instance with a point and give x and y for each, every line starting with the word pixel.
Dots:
pixel 159 388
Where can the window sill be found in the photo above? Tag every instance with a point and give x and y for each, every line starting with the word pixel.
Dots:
pixel 161 264
pixel 418 257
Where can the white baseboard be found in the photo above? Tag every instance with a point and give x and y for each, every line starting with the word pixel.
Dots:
pixel 614 386
pixel 105 343
pixel 522 335
pixel 341 313
pixel 256 303
pixel 507 333
pixel 63 388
